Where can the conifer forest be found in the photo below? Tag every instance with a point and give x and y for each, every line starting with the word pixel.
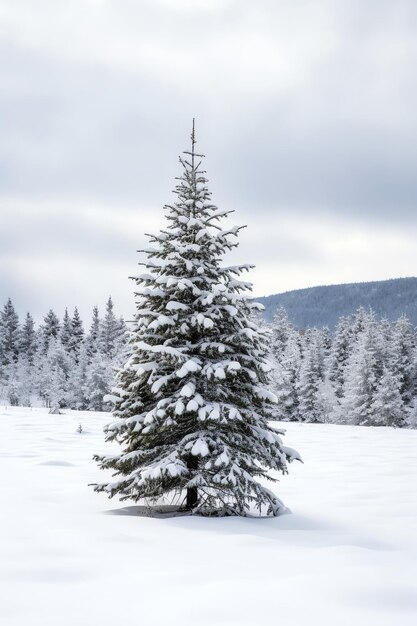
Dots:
pixel 60 363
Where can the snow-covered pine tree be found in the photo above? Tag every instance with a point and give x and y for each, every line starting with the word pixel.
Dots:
pixel 93 336
pixel 52 374
pixel 356 406
pixel 99 378
pixel 28 339
pixel 26 377
pixel 318 341
pixel 191 402
pixel 9 351
pixel 77 377
pixel 66 331
pixel 281 330
pixel 112 332
pixel 10 384
pixel 285 378
pixel 9 334
pixel 77 335
pixel 339 353
pixel 388 406
pixel 402 357
pixel 326 400
pixel 49 329
pixel 309 408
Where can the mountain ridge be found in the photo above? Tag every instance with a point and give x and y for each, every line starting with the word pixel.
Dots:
pixel 324 304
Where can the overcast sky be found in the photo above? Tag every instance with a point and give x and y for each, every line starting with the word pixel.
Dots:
pixel 306 111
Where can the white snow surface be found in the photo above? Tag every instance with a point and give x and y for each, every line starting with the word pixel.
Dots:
pixel 346 555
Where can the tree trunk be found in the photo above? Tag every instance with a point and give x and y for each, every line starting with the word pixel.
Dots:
pixel 192 498
pixel 192 493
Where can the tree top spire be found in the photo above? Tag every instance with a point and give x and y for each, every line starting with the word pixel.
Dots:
pixel 193 141
pixel 192 152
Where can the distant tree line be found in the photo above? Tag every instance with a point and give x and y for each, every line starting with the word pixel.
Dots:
pixel 59 364
pixel 365 373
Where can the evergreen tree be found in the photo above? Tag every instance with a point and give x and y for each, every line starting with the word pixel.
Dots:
pixel 9 334
pixel 24 380
pixel 286 378
pixel 388 406
pixel 314 346
pixel 402 357
pixel 121 352
pixel 309 409
pixel 360 381
pixel 339 354
pixel 326 341
pixel 53 372
pixel 99 378
pixel 326 401
pixel 110 338
pixel 281 331
pixel 383 340
pixel 93 336
pixel 28 339
pixel 66 331
pixel 191 404
pixel 77 334
pixel 360 321
pixel 10 385
pixel 50 329
pixel 77 379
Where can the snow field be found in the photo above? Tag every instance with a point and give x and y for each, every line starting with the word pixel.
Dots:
pixel 346 556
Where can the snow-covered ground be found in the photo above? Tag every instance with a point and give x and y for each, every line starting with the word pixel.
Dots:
pixel 346 556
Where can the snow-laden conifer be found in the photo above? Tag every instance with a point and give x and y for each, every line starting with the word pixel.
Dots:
pixel 9 334
pixel 93 336
pixel 25 379
pixel 286 377
pixel 77 378
pixel 99 378
pixel 388 406
pixel 77 335
pixel 281 331
pixel 356 406
pixel 52 373
pixel 191 403
pixel 66 330
pixel 28 339
pixel 112 333
pixel 309 408
pixel 402 356
pixel 51 328
pixel 339 353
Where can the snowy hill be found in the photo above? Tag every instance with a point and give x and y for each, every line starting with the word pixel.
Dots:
pixel 347 555
pixel 322 306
